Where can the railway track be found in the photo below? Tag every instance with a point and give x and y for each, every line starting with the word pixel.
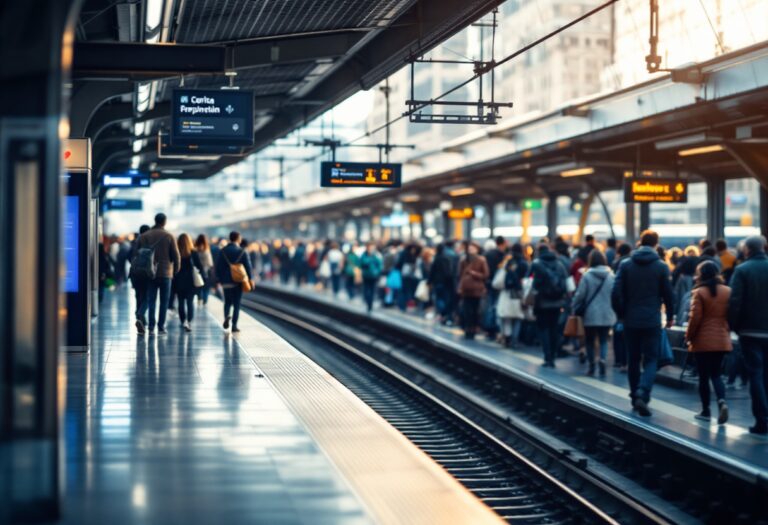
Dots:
pixel 524 481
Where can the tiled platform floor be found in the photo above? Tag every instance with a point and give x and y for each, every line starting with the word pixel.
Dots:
pixel 673 408
pixel 178 429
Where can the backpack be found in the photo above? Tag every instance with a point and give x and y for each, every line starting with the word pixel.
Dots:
pixel 144 265
pixel 551 284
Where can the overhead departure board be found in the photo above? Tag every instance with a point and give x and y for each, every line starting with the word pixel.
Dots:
pixel 126 179
pixel 639 189
pixel 360 174
pixel 166 150
pixel 460 213
pixel 212 117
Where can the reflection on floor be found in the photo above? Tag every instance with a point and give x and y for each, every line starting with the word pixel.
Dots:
pixel 179 429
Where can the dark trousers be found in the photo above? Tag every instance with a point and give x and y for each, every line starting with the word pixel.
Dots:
pixel 596 335
pixel 619 347
pixel 204 292
pixel 643 345
pixel 161 285
pixel 444 300
pixel 335 283
pixel 349 283
pixel 548 328
pixel 490 320
pixel 140 289
pixel 369 292
pixel 756 356
pixel 471 313
pixel 232 298
pixel 709 365
pixel 186 305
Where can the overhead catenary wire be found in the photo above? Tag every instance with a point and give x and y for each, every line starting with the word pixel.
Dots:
pixel 488 68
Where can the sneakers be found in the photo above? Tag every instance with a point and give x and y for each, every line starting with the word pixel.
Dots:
pixel 722 416
pixel 760 430
pixel 641 406
pixel 704 415
pixel 226 323
pixel 186 326
pixel 162 331
pixel 235 330
pixel 151 330
pixel 140 327
pixel 601 368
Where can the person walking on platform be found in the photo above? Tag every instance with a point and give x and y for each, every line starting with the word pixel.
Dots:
pixel 352 271
pixel 370 266
pixel 139 282
pixel 642 285
pixel 442 280
pixel 185 282
pixel 232 255
pixel 473 272
pixel 203 250
pixel 158 259
pixel 709 336
pixel 510 309
pixel 593 303
pixel 494 255
pixel 748 316
pixel 549 288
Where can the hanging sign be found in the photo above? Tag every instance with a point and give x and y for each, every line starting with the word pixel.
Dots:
pixel 460 213
pixel 360 174
pixel 212 117
pixel 641 189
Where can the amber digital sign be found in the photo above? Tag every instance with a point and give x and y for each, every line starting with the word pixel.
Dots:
pixel 460 213
pixel 637 189
pixel 360 174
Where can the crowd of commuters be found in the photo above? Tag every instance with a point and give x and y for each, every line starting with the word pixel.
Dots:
pixel 625 298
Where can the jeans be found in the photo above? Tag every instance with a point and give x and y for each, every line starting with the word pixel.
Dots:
pixel 756 356
pixel 406 293
pixel 444 300
pixel 643 344
pixel 708 365
pixel 336 283
pixel 232 298
pixel 596 334
pixel 162 285
pixel 511 328
pixel 369 291
pixel 471 310
pixel 349 283
pixel 619 347
pixel 140 289
pixel 490 322
pixel 548 327
pixel 186 305
pixel 205 291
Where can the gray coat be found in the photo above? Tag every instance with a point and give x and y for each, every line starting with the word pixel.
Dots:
pixel 599 312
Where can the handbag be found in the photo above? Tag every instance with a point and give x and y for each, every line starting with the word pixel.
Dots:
pixel 666 357
pixel 197 278
pixel 422 292
pixel 325 270
pixel 529 292
pixel 574 326
pixel 570 284
pixel 357 276
pixel 510 307
pixel 394 280
pixel 246 286
pixel 499 279
pixel 237 269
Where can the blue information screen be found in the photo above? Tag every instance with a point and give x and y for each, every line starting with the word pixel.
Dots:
pixel 70 244
pixel 211 117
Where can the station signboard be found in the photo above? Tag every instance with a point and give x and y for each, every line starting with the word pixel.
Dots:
pixel 641 189
pixel 127 179
pixel 123 205
pixel 166 150
pixel 360 174
pixel 212 117
pixel 460 213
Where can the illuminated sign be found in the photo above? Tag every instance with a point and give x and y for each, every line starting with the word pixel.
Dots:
pixel 122 205
pixel 346 174
pixel 532 204
pixel 211 117
pixel 460 213
pixel 76 154
pixel 128 179
pixel 639 189
pixel 166 150
pixel 395 220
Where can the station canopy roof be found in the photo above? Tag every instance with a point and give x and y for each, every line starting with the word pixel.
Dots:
pixel 299 57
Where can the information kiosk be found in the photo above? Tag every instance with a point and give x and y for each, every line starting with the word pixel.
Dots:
pixel 74 242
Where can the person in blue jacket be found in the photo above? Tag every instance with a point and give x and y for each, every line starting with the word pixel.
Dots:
pixel 370 266
pixel 231 254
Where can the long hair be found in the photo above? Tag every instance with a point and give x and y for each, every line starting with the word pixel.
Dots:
pixel 202 243
pixel 185 246
pixel 708 275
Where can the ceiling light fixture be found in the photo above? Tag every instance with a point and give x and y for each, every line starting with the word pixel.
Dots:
pixel 700 151
pixel 577 172
pixel 688 140
pixel 460 192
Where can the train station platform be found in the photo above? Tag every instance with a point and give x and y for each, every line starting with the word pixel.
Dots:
pixel 673 403
pixel 209 427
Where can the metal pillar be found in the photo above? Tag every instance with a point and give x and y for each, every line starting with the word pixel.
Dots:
pixel 645 216
pixel 552 217
pixel 629 224
pixel 586 206
pixel 764 211
pixel 31 107
pixel 490 209
pixel 715 208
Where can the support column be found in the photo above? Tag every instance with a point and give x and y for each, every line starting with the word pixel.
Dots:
pixel 629 224
pixel 715 208
pixel 490 209
pixel 764 211
pixel 586 206
pixel 552 217
pixel 645 216
pixel 31 108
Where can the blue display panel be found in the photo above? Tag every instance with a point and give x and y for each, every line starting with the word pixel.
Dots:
pixel 127 179
pixel 70 244
pixel 357 174
pixel 211 117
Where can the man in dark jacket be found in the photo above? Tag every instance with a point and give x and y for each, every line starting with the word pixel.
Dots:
pixel 232 254
pixel 493 257
pixel 748 316
pixel 549 276
pixel 641 286
pixel 442 279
